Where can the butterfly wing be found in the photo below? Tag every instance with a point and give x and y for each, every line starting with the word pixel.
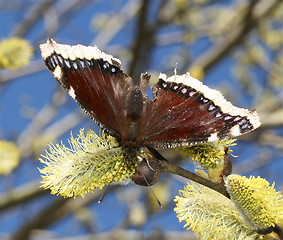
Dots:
pixel 92 78
pixel 183 112
pixel 186 112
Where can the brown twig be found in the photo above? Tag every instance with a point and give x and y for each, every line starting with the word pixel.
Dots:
pixel 115 24
pixel 21 195
pixel 173 168
pixel 166 166
pixel 56 211
pixel 31 18
pixel 26 138
pixel 139 42
pixel 237 35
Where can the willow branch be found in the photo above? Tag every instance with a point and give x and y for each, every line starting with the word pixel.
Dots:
pixel 56 211
pixel 26 138
pixel 64 124
pixel 165 166
pixel 173 168
pixel 236 35
pixel 140 39
pixel 33 67
pixel 116 23
pixel 59 15
pixel 21 195
pixel 31 18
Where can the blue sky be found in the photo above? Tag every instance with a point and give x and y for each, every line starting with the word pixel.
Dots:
pixel 33 91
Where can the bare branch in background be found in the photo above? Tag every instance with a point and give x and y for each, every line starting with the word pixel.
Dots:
pixel 258 11
pixel 33 67
pixel 116 23
pixel 39 122
pixel 31 18
pixel 151 34
pixel 21 195
pixel 53 213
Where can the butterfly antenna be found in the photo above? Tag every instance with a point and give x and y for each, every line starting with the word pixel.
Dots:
pixel 147 162
pixel 175 69
pixel 102 196
pixel 157 200
pixel 156 154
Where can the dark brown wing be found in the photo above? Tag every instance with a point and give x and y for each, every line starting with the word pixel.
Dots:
pixel 93 78
pixel 186 112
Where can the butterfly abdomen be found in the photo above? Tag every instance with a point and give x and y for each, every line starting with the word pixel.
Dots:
pixel 134 104
pixel 131 132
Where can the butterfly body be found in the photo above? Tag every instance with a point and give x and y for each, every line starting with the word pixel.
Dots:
pixel 182 112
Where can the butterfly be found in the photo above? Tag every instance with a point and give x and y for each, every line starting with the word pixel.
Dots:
pixel 183 111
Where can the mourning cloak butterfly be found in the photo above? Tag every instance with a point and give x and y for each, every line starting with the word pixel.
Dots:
pixel 183 111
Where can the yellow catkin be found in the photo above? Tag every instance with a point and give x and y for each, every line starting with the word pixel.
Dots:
pixel 259 202
pixel 15 53
pixel 210 215
pixel 90 162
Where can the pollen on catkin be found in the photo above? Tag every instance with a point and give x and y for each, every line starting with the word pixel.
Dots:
pixel 90 162
pixel 209 154
pixel 15 53
pixel 210 215
pixel 259 203
pixel 9 157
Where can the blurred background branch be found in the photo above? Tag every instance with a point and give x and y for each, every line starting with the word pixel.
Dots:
pixel 204 36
